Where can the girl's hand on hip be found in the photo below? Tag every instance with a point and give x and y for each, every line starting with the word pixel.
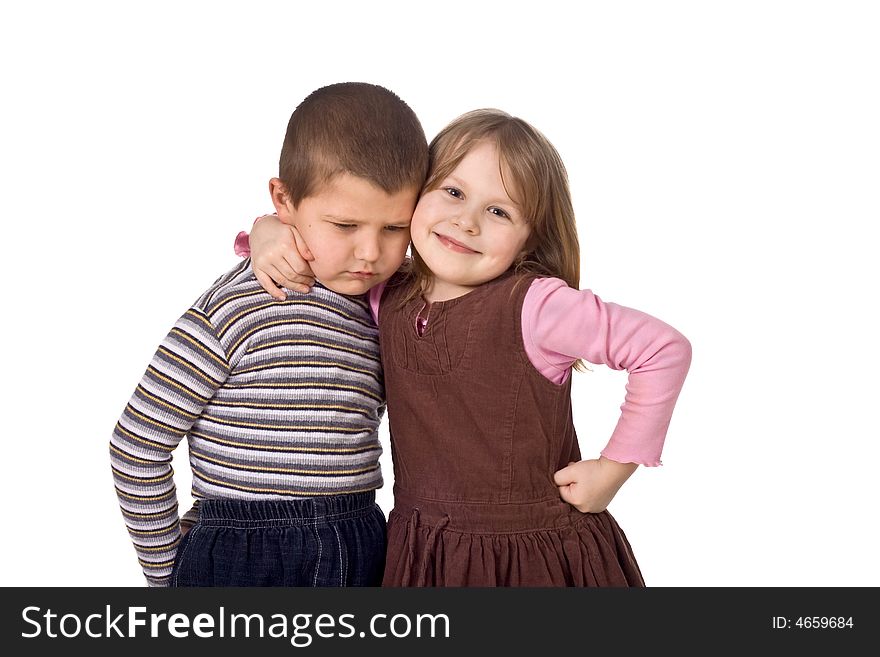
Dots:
pixel 591 484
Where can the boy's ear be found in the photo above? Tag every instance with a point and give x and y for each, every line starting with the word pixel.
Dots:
pixel 280 199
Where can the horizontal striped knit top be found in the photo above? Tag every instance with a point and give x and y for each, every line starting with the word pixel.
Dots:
pixel 278 400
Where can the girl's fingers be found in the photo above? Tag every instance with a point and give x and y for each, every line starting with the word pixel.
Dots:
pixel 565 494
pixel 293 273
pixel 278 276
pixel 564 477
pixel 269 285
pixel 285 265
pixel 294 283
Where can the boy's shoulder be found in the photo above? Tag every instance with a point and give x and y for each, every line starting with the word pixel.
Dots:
pixel 237 297
pixel 233 283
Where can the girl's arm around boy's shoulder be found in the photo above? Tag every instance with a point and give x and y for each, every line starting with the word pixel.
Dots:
pixel 279 256
pixel 561 324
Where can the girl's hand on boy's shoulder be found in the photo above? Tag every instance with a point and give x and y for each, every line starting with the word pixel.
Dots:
pixel 591 484
pixel 280 257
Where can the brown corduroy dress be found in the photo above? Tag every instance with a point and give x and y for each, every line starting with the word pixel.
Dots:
pixel 477 433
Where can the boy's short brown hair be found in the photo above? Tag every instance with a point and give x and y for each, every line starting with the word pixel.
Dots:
pixel 357 128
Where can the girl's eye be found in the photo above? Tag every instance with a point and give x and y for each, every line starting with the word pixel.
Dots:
pixel 343 226
pixel 395 229
pixel 453 191
pixel 498 212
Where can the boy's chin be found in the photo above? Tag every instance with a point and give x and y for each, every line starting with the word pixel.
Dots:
pixel 352 286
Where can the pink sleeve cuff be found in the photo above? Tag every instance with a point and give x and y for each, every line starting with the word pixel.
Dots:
pixel 242 245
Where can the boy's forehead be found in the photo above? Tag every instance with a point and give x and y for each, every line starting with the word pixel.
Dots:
pixel 351 198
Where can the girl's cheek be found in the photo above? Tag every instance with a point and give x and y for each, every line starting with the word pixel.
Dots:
pixel 418 220
pixel 430 212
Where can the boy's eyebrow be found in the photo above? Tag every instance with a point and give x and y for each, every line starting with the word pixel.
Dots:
pixel 351 220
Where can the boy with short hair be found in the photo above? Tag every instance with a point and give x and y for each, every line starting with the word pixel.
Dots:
pixel 281 400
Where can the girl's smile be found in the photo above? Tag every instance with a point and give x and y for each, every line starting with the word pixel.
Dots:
pixel 454 245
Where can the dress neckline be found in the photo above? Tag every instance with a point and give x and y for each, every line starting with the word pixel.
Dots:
pixel 448 303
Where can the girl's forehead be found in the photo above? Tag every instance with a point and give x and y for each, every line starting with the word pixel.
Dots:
pixel 479 161
pixel 480 157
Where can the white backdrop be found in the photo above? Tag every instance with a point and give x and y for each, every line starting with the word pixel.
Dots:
pixel 724 166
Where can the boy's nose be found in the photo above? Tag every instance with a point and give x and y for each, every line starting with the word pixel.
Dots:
pixel 367 250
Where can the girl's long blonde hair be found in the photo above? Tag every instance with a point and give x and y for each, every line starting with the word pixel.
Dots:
pixel 535 179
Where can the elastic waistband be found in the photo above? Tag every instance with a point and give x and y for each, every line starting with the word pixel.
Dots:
pixel 486 518
pixel 280 513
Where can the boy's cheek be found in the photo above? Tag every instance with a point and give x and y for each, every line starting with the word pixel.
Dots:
pixel 404 240
pixel 399 253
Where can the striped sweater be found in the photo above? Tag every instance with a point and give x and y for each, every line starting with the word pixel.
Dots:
pixel 277 399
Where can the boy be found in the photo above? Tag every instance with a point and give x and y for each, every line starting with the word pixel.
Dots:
pixel 281 400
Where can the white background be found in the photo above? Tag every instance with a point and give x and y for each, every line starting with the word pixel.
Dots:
pixel 724 160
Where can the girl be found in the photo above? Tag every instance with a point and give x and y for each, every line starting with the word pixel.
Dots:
pixel 479 334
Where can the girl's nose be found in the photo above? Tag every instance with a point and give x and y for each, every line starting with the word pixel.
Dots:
pixel 466 221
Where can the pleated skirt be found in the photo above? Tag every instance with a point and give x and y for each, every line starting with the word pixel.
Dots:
pixel 543 543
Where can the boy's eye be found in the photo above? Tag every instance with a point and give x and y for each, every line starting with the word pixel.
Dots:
pixel 498 212
pixel 453 191
pixel 343 226
pixel 395 229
